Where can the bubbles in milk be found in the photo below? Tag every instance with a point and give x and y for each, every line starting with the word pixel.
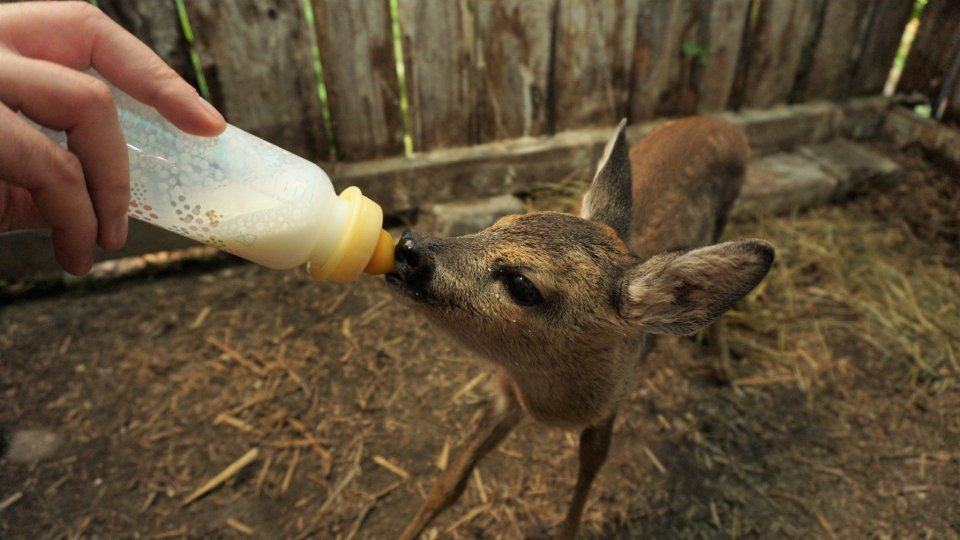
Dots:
pixel 235 197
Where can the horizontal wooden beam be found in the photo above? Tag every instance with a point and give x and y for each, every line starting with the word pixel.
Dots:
pixel 521 165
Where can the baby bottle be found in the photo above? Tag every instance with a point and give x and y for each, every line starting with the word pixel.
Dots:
pixel 245 196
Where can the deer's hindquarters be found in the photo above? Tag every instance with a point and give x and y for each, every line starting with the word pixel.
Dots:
pixel 686 175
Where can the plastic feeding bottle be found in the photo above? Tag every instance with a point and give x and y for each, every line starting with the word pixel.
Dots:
pixel 245 196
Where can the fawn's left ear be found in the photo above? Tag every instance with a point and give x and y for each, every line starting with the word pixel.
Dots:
pixel 679 293
pixel 609 199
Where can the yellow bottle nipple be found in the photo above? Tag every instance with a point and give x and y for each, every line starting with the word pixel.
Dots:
pixel 382 261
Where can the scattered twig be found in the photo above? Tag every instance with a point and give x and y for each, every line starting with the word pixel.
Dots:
pixel 261 478
pixel 810 509
pixel 314 442
pixel 236 356
pixel 357 523
pixel 480 489
pixel 653 459
pixel 240 527
pixel 391 466
pixel 467 517
pixel 201 318
pixel 469 386
pixel 10 501
pixel 444 458
pixel 182 531
pixel 288 477
pixel 224 475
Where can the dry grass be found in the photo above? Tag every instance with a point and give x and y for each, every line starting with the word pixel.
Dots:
pixel 881 271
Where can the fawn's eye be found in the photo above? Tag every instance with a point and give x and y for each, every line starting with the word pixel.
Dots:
pixel 523 291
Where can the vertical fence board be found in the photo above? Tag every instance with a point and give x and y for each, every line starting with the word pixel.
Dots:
pixel 775 51
pixel 158 25
pixel 257 62
pixel 953 107
pixel 934 48
pixel 686 56
pixel 513 67
pixel 438 48
pixel 723 36
pixel 356 48
pixel 661 70
pixel 829 74
pixel 593 43
pixel 880 46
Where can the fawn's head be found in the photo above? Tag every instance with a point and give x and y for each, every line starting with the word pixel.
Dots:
pixel 536 289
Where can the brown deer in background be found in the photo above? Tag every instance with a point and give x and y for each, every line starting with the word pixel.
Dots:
pixel 566 307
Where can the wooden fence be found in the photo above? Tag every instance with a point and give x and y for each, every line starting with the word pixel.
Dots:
pixel 932 68
pixel 439 75
pixel 478 71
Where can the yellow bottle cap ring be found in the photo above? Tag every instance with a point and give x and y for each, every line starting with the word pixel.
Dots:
pixel 382 261
pixel 353 251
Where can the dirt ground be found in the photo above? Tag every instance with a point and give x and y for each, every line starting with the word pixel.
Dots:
pixel 843 420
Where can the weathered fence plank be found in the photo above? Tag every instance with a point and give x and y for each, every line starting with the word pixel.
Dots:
pixel 356 48
pixel 593 43
pixel 686 56
pixel 722 33
pixel 513 67
pixel 835 50
pixel 256 60
pixel 661 80
pixel 934 50
pixel 158 25
pixel 888 18
pixel 775 51
pixel 438 48
pixel 952 112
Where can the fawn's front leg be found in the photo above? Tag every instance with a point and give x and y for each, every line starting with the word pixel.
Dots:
pixel 594 446
pixel 501 416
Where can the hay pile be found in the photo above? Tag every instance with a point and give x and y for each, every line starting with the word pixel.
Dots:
pixel 881 270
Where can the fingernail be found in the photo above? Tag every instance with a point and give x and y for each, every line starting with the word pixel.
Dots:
pixel 119 234
pixel 86 266
pixel 210 109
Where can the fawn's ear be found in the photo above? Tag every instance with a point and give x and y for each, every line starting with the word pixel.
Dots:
pixel 680 292
pixel 609 199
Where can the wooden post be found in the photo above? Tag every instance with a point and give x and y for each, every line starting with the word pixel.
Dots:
pixel 775 51
pixel 356 48
pixel 257 62
pixel 593 62
pixel 835 51
pixel 934 49
pixel 722 35
pixel 439 57
pixel 661 69
pixel 888 20
pixel 686 56
pixel 513 67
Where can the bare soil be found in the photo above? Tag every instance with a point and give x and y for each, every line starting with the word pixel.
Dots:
pixel 843 420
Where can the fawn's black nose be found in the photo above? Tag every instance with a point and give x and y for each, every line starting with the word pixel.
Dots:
pixel 414 260
pixel 407 251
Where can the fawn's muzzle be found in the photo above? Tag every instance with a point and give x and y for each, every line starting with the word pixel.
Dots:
pixel 415 265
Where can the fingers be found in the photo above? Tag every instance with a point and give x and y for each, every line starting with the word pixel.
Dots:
pixel 54 178
pixel 80 36
pixel 67 100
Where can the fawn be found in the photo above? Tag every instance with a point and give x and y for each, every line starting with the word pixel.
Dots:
pixel 566 307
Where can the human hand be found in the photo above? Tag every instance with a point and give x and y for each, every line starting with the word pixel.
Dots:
pixel 82 192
